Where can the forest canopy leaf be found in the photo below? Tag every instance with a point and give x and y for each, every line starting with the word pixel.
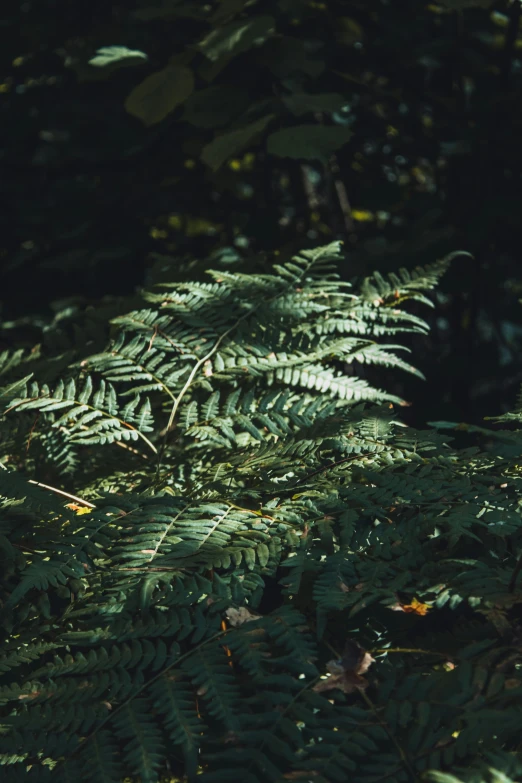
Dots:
pixel 223 147
pixel 286 56
pixel 215 106
pixel 307 141
pixel 160 93
pixel 302 103
pixel 236 37
pixel 116 55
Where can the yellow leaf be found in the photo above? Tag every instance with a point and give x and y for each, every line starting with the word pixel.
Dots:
pixel 175 221
pixel 362 215
pixel 500 20
pixel 157 233
pixel 160 93
pixel 195 227
pixel 416 607
pixel 79 509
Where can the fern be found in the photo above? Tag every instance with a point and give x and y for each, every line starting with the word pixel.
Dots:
pixel 156 490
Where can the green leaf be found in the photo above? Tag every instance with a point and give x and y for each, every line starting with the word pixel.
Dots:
pixel 8 393
pixel 302 103
pixel 236 37
pixel 116 55
pixel 160 93
pixel 307 141
pixel 223 147
pixel 287 56
pixel 215 106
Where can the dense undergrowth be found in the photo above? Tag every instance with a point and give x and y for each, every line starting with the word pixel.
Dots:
pixel 224 556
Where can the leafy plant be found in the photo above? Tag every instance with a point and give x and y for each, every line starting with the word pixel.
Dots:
pixel 249 125
pixel 225 556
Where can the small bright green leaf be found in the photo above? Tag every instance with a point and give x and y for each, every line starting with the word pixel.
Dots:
pixel 307 141
pixel 160 93
pixel 223 147
pixel 112 55
pixel 236 37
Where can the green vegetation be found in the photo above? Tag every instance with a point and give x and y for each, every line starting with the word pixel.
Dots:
pixel 242 537
pixel 136 133
pixel 262 574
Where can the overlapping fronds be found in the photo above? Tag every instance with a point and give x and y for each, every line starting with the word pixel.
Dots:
pixel 247 567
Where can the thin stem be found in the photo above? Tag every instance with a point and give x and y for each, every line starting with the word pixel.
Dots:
pixel 413 650
pixel 200 364
pixel 61 492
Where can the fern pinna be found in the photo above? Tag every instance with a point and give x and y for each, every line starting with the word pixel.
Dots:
pixel 225 557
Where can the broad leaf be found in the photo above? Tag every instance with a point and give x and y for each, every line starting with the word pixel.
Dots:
pixel 286 56
pixel 160 93
pixel 301 103
pixel 223 147
pixel 215 106
pixel 307 141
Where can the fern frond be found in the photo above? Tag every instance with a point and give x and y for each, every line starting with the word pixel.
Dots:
pixel 227 593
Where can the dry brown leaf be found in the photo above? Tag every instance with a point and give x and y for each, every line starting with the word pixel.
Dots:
pixel 237 617
pixel 416 607
pixel 346 672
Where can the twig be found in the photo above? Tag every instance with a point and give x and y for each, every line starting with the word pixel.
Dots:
pixel 61 492
pixel 342 195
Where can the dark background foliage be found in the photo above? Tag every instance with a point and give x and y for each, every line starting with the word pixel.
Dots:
pixel 393 126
